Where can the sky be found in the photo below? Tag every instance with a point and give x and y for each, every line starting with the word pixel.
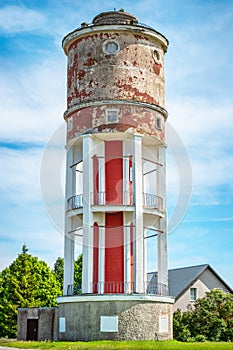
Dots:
pixel 199 100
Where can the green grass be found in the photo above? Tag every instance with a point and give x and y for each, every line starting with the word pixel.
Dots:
pixel 114 345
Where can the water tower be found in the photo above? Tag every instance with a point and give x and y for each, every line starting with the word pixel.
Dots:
pixel 115 181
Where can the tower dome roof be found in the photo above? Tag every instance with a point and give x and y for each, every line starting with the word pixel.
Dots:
pixel 114 17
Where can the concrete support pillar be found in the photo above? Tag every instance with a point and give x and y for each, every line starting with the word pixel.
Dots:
pixel 126 188
pixel 87 272
pixel 161 176
pixel 101 171
pixel 138 215
pixel 162 258
pixel 162 237
pixel 101 259
pixel 68 264
pixel 127 271
pixel 68 278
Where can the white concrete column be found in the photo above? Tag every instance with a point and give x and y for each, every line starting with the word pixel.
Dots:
pixel 126 194
pixel 138 215
pixel 127 272
pixel 68 282
pixel 101 196
pixel 161 176
pixel 87 272
pixel 101 259
pixel 162 237
pixel 68 278
pixel 162 257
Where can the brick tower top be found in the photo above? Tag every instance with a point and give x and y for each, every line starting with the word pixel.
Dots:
pixel 118 64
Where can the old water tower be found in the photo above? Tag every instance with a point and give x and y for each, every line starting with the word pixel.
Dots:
pixel 115 181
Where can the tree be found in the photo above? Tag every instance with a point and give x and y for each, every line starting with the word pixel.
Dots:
pixel 211 318
pixel 27 282
pixel 59 270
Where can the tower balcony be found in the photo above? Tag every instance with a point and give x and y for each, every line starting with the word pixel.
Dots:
pixel 115 198
pixel 150 288
pixel 75 202
pixel 112 198
pixel 152 201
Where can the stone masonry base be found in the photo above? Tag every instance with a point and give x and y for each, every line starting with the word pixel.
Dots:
pixel 114 317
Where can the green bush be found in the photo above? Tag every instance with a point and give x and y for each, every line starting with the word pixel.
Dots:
pixel 210 319
pixel 27 282
pixel 200 338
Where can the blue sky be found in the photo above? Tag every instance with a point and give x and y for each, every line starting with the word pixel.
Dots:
pixel 199 93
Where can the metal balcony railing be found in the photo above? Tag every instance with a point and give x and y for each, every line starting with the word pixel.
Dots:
pixel 152 288
pixel 152 201
pixel 155 288
pixel 74 289
pixel 116 198
pixel 112 198
pixel 75 202
pixel 109 287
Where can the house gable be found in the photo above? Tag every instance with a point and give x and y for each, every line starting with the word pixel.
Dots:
pixel 202 278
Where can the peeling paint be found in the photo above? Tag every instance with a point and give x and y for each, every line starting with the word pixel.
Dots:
pixel 140 79
pixel 157 68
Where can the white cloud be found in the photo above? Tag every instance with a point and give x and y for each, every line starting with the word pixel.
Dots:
pixel 15 19
pixel 19 176
pixel 206 130
pixel 33 100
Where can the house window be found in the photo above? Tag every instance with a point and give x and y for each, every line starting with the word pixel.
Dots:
pixel 112 115
pixel 158 123
pixel 193 294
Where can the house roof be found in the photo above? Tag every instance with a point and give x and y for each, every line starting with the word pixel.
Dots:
pixel 181 279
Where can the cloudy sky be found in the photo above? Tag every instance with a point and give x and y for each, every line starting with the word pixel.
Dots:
pixel 199 94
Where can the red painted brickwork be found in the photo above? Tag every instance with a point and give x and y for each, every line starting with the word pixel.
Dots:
pixel 130 117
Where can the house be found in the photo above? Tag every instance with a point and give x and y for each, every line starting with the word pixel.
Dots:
pixel 187 284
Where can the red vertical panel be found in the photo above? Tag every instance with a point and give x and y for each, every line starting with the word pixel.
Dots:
pixel 114 233
pixel 113 172
pixel 114 253
pixel 95 180
pixel 95 258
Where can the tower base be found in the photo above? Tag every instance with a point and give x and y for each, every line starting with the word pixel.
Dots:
pixel 115 317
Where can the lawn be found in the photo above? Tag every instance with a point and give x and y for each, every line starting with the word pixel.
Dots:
pixel 114 345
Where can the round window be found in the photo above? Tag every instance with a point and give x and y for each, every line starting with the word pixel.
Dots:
pixel 156 56
pixel 111 47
